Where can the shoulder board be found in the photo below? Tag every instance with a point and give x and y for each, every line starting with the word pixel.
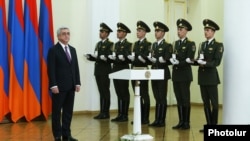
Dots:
pixel 109 41
pixel 217 42
pixel 129 42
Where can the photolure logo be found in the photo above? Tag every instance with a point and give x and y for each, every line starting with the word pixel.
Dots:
pixel 226 132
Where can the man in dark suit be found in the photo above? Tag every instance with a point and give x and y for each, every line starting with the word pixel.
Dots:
pixel 160 54
pixel 184 51
pixel 102 69
pixel 64 81
pixel 209 58
pixel 139 59
pixel 120 61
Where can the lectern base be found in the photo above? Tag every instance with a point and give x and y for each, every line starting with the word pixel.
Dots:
pixel 143 137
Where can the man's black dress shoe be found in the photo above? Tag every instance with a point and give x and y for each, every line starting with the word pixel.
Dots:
pixel 70 138
pixel 58 139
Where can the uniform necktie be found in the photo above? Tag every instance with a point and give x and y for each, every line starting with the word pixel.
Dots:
pixel 206 44
pixel 179 42
pixel 67 53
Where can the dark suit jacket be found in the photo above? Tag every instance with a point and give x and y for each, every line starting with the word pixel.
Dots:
pixel 183 71
pixel 61 72
pixel 103 48
pixel 124 49
pixel 164 50
pixel 143 50
pixel 208 74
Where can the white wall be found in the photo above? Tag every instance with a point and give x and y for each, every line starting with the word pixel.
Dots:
pixel 236 88
pixel 84 16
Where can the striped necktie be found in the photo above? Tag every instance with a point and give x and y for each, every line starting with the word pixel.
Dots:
pixel 67 53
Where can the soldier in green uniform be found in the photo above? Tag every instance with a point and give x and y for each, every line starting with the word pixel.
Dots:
pixel 120 61
pixel 184 51
pixel 139 59
pixel 160 54
pixel 209 58
pixel 102 69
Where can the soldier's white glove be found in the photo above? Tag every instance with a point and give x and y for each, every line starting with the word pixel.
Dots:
pixel 94 55
pixel 149 57
pixel 121 57
pixel 188 60
pixel 201 62
pixel 172 60
pixel 130 57
pixel 161 60
pixel 176 62
pixel 86 55
pixel 152 59
pixel 103 58
pixel 141 59
pixel 111 57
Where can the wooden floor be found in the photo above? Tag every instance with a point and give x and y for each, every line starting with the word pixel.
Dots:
pixel 85 128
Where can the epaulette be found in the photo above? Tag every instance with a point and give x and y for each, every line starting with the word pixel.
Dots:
pixel 109 41
pixel 217 42
pixel 129 42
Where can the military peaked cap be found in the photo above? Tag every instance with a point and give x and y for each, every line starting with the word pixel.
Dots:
pixel 142 25
pixel 160 26
pixel 104 27
pixel 182 23
pixel 123 27
pixel 210 24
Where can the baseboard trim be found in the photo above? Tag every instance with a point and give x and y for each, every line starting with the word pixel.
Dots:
pixel 131 109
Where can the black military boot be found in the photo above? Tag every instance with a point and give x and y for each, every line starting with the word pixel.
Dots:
pixel 119 116
pixel 101 109
pixel 157 115
pixel 180 114
pixel 208 115
pixel 163 112
pixel 145 114
pixel 105 109
pixel 186 118
pixel 214 116
pixel 124 116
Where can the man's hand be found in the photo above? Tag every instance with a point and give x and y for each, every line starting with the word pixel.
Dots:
pixel 86 55
pixel 103 58
pixel 94 55
pixel 141 59
pixel 174 61
pixel 111 57
pixel 188 60
pixel 201 62
pixel 130 57
pixel 161 60
pixel 121 57
pixel 55 90
pixel 77 88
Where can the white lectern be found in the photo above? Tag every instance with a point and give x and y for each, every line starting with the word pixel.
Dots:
pixel 128 74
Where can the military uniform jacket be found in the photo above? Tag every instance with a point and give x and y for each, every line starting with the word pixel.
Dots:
pixel 165 50
pixel 103 48
pixel 208 74
pixel 122 48
pixel 141 48
pixel 183 71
